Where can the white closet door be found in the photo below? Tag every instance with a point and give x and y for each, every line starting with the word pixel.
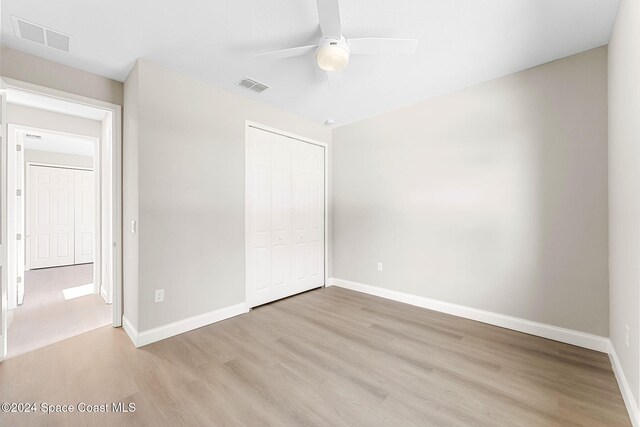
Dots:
pixel 51 217
pixel 285 216
pixel 280 284
pixel 308 216
pixel 84 217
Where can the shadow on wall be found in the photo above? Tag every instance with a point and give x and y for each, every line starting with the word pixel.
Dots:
pixel 494 197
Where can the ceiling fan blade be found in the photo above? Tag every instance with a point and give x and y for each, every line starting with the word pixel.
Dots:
pixel 378 46
pixel 288 53
pixel 329 14
pixel 334 78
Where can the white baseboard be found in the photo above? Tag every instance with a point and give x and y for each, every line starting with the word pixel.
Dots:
pixel 9 318
pixel 149 336
pixel 103 293
pixel 130 330
pixel 569 336
pixel 105 296
pixel 627 395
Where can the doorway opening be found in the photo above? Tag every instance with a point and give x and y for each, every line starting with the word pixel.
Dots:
pixel 61 209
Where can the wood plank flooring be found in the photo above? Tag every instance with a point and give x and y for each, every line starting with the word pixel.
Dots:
pixel 329 357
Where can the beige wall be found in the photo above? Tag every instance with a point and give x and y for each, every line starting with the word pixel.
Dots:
pixel 60 159
pixel 34 117
pixel 42 119
pixel 493 197
pixel 28 68
pixel 624 189
pixel 130 198
pixel 190 190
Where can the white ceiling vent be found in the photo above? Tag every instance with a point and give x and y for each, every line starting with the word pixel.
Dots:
pixel 42 35
pixel 253 85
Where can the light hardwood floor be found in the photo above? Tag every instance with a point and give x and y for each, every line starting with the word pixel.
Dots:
pixel 328 357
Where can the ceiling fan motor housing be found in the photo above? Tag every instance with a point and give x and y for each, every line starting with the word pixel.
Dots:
pixel 332 54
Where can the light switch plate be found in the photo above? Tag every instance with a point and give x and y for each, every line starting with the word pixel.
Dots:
pixel 626 335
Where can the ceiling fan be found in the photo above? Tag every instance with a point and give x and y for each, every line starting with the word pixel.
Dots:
pixel 333 50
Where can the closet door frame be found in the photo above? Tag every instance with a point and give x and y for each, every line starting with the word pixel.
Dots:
pixel 249 198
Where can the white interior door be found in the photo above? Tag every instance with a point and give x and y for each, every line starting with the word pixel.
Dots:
pixel 308 215
pixel 14 153
pixel 3 224
pixel 20 220
pixel 50 216
pixel 84 216
pixel 285 216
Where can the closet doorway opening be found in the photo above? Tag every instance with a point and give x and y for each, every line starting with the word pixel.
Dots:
pixel 61 210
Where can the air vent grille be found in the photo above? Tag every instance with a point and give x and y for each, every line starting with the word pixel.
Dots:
pixel 260 87
pixel 31 32
pixel 253 85
pixel 248 83
pixel 42 35
pixel 57 40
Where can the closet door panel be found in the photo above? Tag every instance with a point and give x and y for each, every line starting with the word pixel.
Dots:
pixel 64 216
pixel 50 217
pixel 280 217
pixel 308 176
pixel 316 217
pixel 258 220
pixel 85 214
pixel 40 230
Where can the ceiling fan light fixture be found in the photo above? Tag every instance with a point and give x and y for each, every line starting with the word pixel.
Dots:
pixel 333 50
pixel 332 57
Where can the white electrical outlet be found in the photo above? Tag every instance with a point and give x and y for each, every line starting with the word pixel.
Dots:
pixel 626 335
pixel 159 295
pixel 379 266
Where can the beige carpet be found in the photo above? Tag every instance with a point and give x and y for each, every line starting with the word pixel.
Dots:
pixel 46 317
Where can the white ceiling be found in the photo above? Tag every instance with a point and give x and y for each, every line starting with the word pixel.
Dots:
pixel 462 42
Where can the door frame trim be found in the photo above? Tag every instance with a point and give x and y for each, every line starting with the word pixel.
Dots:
pixel 325 146
pixel 113 162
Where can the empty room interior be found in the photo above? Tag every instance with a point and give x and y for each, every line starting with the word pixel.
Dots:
pixel 320 212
